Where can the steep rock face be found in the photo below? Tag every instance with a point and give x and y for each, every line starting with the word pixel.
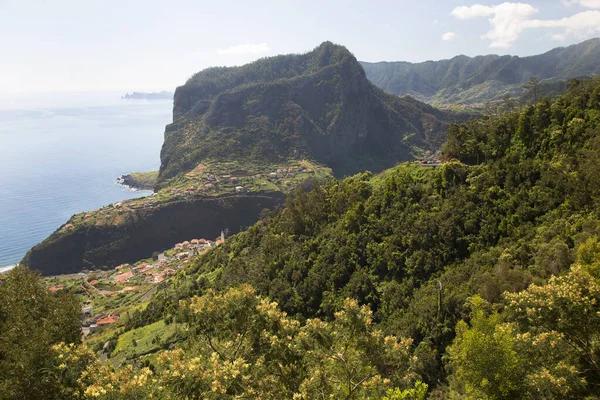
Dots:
pixel 93 247
pixel 317 105
pixel 448 81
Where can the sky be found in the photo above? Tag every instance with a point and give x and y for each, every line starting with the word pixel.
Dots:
pixel 126 45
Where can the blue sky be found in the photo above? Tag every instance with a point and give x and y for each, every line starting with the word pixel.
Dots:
pixel 80 45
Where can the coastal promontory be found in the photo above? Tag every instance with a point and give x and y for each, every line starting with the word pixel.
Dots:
pixel 243 138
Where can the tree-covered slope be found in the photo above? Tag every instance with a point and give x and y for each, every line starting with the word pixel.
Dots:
pixel 517 197
pixel 480 79
pixel 480 277
pixel 317 106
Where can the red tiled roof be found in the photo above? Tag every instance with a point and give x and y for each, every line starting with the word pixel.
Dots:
pixel 125 275
pixel 108 320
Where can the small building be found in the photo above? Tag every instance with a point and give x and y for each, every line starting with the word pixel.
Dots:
pixel 123 277
pixel 86 330
pixel 146 269
pixel 111 319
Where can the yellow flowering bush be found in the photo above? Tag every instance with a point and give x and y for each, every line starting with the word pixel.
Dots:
pixel 244 346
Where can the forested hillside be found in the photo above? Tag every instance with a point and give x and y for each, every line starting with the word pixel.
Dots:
pixel 478 278
pixel 516 198
pixel 316 106
pixel 477 80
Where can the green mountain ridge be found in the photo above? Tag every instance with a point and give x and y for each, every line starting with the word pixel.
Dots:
pixel 317 105
pixel 477 80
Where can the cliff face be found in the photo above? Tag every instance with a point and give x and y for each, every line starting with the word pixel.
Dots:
pixel 317 105
pixel 93 247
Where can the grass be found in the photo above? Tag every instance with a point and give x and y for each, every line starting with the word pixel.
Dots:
pixel 145 340
pixel 208 179
pixel 144 179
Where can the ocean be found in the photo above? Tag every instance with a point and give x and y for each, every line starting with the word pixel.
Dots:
pixel 60 154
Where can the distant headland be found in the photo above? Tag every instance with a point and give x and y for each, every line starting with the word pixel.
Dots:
pixel 148 96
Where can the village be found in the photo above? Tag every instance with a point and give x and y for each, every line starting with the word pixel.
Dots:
pixel 206 180
pixel 108 294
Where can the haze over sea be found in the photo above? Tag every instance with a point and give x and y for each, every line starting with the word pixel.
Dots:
pixel 60 154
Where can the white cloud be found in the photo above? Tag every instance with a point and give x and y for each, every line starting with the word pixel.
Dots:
pixel 244 49
pixel 474 11
pixel 448 36
pixel 583 3
pixel 508 20
pixel 582 24
pixel 436 21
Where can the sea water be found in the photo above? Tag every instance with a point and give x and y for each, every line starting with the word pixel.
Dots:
pixel 61 154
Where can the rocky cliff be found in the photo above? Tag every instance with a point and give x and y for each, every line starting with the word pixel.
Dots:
pixel 160 227
pixel 319 105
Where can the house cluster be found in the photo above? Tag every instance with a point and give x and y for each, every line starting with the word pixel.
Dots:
pixel 430 159
pixel 165 265
pixel 56 288
pixel 240 181
pixel 150 273
pixel 288 172
pixel 91 325
pixel 136 204
pixel 194 247
pixel 131 278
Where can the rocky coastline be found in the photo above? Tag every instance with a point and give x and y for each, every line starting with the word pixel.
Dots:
pixel 138 180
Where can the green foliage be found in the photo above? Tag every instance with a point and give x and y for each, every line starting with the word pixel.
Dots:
pixel 508 209
pixel 141 180
pixel 499 222
pixel 477 80
pixel 483 356
pixel 317 106
pixel 417 393
pixel 244 346
pixel 31 320
pixel 545 344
